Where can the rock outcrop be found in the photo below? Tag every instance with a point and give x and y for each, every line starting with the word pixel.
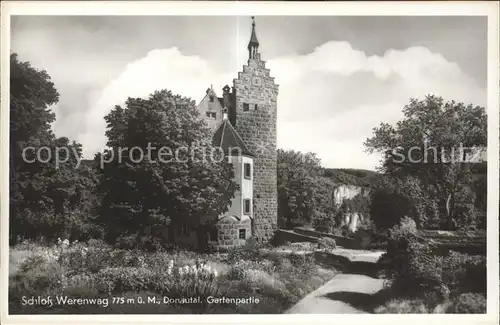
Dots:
pixel 344 192
pixel 351 219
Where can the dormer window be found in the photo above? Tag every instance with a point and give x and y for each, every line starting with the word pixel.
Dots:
pixel 212 115
pixel 246 107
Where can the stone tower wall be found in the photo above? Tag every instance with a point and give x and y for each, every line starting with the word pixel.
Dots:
pixel 257 128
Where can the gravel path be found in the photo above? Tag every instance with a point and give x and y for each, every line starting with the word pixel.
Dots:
pixel 345 293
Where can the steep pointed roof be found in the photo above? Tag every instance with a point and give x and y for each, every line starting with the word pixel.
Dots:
pixel 254 42
pixel 228 139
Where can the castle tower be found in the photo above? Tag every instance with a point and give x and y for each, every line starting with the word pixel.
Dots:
pixel 254 117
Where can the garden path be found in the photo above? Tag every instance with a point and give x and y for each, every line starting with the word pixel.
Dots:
pixel 349 293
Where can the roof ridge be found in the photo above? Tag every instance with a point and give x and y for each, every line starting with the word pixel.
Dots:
pixel 229 139
pixel 222 134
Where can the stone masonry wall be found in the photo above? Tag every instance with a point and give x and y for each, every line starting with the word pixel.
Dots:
pixel 228 233
pixel 257 128
pixel 214 106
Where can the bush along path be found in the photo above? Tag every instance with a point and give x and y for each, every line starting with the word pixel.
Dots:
pixel 353 292
pixel 421 276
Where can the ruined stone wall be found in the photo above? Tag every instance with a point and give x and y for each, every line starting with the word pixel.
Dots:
pixel 257 128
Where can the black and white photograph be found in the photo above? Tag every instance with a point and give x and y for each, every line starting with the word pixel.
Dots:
pixel 250 163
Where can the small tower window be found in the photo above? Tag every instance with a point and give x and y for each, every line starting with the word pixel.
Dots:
pixel 212 115
pixel 256 106
pixel 242 234
pixel 246 107
pixel 246 206
pixel 211 98
pixel 248 171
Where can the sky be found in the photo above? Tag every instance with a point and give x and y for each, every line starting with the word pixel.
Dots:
pixel 339 77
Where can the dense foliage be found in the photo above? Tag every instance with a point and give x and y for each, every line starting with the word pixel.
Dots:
pixel 306 192
pixel 355 177
pixel 419 270
pixel 426 158
pixel 297 187
pixel 132 189
pixel 94 270
pixel 144 194
pixel 50 194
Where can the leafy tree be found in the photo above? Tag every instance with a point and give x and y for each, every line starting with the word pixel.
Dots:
pixel 356 177
pixel 306 192
pixel 326 207
pixel 479 187
pixel 390 203
pixel 427 149
pixel 45 197
pixel 176 182
pixel 297 187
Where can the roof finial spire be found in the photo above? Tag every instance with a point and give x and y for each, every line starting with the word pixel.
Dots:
pixel 253 45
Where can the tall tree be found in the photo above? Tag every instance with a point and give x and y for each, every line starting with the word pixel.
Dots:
pixel 431 146
pixel 47 191
pixel 167 172
pixel 298 187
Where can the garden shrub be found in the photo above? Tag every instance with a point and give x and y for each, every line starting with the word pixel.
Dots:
pixel 81 285
pixel 146 242
pixel 412 266
pixel 302 263
pixel 158 260
pixel 468 303
pixel 279 262
pixel 33 262
pixel 87 258
pixel 327 242
pixel 402 306
pixel 248 251
pixel 176 281
pixel 121 279
pixel 97 243
pixel 93 258
pixel 475 275
pixel 464 273
pixel 418 272
pixel 95 269
pixel 362 238
pixel 237 272
pixel 406 226
pixel 44 278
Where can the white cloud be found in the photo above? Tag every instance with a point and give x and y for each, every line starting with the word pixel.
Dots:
pixel 160 69
pixel 329 99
